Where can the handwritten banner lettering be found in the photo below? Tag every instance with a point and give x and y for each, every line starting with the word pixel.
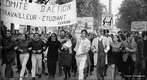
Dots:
pixel 15 11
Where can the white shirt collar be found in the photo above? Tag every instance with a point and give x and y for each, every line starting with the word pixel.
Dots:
pixel 100 38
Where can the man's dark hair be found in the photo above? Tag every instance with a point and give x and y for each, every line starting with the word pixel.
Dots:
pixel 62 31
pixel 8 31
pixel 36 33
pixel 125 31
pixel 128 34
pixel 119 32
pixel 69 36
pixel 26 36
pixel 84 30
pixel 105 31
pixel 122 36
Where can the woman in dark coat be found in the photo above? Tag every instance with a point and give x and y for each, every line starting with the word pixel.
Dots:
pixel 73 62
pixel 66 55
pixel 52 56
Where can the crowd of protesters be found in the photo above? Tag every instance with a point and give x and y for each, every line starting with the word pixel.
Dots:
pixel 37 54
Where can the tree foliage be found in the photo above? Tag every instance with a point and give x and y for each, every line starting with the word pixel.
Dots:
pixel 131 10
pixel 85 8
pixel 89 8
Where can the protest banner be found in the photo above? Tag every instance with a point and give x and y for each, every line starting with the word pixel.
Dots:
pixel 139 26
pixel 15 11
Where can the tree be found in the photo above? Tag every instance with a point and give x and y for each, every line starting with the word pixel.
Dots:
pixel 90 8
pixel 131 10
pixel 85 8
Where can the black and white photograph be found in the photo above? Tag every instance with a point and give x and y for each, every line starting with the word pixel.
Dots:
pixel 73 39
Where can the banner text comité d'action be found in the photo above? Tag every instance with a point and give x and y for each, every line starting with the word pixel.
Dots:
pixel 43 8
pixel 25 6
pixel 32 13
pixel 14 4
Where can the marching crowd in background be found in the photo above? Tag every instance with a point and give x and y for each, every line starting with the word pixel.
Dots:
pixel 40 54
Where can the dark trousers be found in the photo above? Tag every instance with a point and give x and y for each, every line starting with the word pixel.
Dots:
pixel 74 69
pixel 89 69
pixel 51 64
pixel 43 64
pixel 101 67
pixel 9 71
pixel 18 60
pixel 120 62
pixel 129 68
pixel 66 70
pixel 92 64
pixel 146 67
pixel 59 64
pixel 143 69
pixel 73 63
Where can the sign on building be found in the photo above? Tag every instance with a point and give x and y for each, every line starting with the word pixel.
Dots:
pixel 107 21
pixel 81 25
pixel 89 21
pixel 139 26
pixel 85 23
pixel 22 28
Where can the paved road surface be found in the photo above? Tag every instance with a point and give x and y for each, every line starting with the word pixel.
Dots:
pixel 90 77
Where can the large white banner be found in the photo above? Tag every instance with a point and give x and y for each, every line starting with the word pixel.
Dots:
pixel 15 11
pixel 139 26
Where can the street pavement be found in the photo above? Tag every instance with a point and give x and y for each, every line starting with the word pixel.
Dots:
pixel 44 77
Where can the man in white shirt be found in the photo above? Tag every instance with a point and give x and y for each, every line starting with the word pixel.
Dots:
pixel 82 48
pixel 100 46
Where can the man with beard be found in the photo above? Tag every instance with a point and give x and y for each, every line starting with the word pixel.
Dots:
pixel 8 54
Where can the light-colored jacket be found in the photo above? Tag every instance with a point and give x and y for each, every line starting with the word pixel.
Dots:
pixel 105 43
pixel 94 47
pixel 88 44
